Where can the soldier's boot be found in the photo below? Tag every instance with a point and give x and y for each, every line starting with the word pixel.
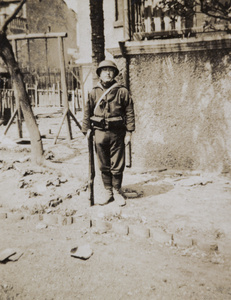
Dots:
pixel 107 195
pixel 117 192
pixel 118 197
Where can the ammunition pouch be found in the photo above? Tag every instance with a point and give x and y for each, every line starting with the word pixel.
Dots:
pixel 97 122
pixel 113 123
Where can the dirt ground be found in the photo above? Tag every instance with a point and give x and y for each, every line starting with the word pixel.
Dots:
pixel 171 241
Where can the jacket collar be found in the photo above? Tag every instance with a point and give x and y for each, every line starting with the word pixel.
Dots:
pixel 99 84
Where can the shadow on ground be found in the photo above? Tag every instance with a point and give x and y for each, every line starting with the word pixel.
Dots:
pixel 144 189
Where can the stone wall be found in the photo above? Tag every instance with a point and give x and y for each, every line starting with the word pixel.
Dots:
pixel 183 110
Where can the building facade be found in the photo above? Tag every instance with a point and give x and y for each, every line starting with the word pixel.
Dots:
pixel 179 77
pixel 40 55
pixel 16 26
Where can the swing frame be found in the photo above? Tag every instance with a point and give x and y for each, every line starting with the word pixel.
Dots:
pixel 67 112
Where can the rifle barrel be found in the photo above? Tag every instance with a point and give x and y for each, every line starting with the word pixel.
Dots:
pixel 91 174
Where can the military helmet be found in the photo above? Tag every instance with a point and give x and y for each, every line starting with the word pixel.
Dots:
pixel 107 63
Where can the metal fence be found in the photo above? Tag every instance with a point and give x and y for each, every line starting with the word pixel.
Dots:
pixel 44 90
pixel 50 97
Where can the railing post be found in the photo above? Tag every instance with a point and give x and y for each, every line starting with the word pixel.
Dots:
pixel 126 21
pixel 77 100
pixel 82 84
pixel 36 93
pixel 73 101
pixel 147 15
pixel 19 118
pixel 11 102
pixel 53 95
pixel 59 94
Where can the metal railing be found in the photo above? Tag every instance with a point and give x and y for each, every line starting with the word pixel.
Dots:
pixel 148 21
pixel 17 24
pixel 50 97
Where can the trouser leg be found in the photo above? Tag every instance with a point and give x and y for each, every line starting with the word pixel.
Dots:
pixel 110 151
pixel 117 160
pixel 117 181
pixel 107 180
pixel 117 153
pixel 102 144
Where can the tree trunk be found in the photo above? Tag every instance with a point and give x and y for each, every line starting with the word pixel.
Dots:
pixel 21 95
pixel 97 34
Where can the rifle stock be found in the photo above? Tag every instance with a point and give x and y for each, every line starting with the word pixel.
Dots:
pixel 91 175
pixel 128 155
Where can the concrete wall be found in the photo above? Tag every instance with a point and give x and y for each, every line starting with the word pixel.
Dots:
pixel 183 110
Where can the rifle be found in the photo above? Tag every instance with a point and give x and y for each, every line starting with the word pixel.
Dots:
pixel 128 155
pixel 91 174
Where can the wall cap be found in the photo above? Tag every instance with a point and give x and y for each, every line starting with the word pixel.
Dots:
pixel 202 42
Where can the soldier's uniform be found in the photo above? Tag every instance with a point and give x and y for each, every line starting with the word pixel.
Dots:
pixel 111 119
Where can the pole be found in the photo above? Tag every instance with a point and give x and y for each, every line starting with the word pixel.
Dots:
pixel 17 104
pixel 64 86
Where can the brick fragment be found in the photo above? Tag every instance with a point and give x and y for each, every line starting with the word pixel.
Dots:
pixel 120 228
pixel 101 226
pixel 6 253
pixel 65 220
pixel 41 226
pixel 82 252
pixel 224 247
pixel 181 241
pixel 81 223
pixel 209 246
pixel 3 216
pixel 161 237
pixel 139 231
pixel 15 216
pixel 36 218
pixel 50 219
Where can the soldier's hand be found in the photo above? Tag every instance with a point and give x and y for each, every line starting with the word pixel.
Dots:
pixel 88 133
pixel 127 138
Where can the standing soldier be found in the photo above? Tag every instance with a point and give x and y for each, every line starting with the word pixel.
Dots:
pixel 109 112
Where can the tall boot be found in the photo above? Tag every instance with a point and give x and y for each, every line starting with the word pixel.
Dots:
pixel 117 183
pixel 108 193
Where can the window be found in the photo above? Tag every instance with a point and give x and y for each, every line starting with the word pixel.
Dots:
pixel 119 10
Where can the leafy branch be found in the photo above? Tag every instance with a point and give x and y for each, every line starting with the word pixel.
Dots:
pixel 218 9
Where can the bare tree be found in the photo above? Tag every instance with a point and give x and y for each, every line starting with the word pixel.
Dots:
pixel 97 34
pixel 6 53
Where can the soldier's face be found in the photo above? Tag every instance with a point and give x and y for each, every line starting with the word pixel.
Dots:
pixel 107 74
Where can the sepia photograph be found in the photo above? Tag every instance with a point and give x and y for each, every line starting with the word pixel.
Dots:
pixel 115 149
